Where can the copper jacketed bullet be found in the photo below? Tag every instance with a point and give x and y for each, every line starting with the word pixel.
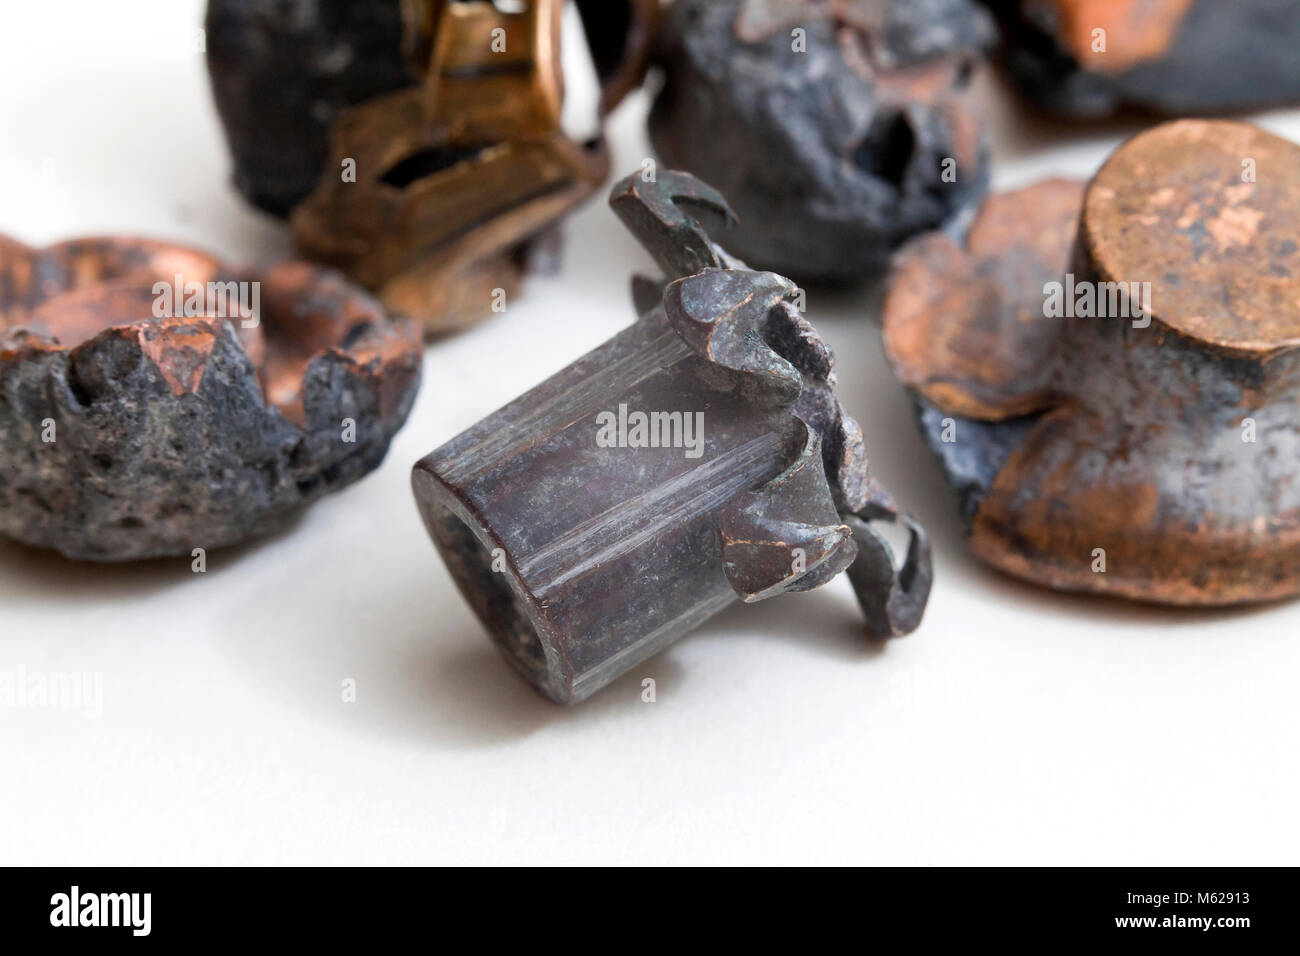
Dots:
pixel 417 145
pixel 696 459
pixel 1110 375
pixel 154 401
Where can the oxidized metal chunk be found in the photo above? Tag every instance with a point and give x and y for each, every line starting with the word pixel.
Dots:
pixel 698 458
pixel 152 401
pixel 837 128
pixel 1090 57
pixel 417 144
pixel 1110 376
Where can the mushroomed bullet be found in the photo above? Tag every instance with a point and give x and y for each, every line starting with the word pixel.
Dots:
pixel 698 458
pixel 153 401
pixel 417 145
pixel 1111 376
pixel 836 128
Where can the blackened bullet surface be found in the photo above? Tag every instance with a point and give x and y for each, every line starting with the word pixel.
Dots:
pixel 282 72
pixel 137 421
pixel 836 129
pixel 1176 57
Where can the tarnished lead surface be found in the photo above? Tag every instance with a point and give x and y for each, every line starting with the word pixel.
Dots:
pixel 584 557
pixel 836 128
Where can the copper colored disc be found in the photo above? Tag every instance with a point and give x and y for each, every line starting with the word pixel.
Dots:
pixel 1207 212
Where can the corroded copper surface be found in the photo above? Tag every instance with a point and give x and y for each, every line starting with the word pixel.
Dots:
pixel 58 298
pixel 965 324
pixel 456 175
pixel 1135 30
pixel 1162 465
pixel 1209 213
pixel 132 428
pixel 1175 57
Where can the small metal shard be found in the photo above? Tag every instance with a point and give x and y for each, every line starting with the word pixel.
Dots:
pixel 893 600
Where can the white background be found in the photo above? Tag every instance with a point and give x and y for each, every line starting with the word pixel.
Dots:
pixel 1017 726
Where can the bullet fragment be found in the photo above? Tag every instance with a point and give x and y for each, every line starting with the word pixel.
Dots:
pixel 154 401
pixel 837 129
pixel 417 146
pixel 696 459
pixel 1109 375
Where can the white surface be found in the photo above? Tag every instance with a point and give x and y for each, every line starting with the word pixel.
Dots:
pixel 1016 726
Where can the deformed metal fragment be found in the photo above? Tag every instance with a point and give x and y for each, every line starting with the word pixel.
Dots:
pixel 696 459
pixel 836 128
pixel 153 401
pixel 417 145
pixel 893 603
pixel 1177 57
pixel 1118 411
pixel 966 325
